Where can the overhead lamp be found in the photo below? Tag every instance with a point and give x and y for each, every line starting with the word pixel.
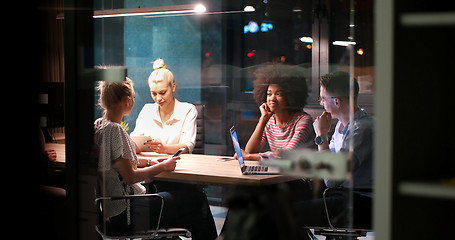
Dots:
pixel 249 9
pixel 200 8
pixel 297 9
pixel 306 39
pixel 343 43
pixel 162 11
pixel 150 11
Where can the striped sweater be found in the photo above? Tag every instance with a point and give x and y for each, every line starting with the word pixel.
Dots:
pixel 297 133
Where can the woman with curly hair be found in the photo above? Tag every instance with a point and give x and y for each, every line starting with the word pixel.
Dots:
pixel 281 94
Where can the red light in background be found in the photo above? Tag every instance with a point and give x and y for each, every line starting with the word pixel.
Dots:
pixel 250 54
pixel 207 54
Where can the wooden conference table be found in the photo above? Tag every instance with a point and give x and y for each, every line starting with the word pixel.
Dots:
pixel 197 168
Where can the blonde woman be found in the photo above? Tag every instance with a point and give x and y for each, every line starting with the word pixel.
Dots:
pixel 118 166
pixel 170 123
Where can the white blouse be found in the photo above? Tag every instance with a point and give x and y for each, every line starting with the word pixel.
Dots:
pixel 180 128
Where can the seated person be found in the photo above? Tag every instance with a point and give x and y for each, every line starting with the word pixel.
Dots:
pixel 283 124
pixel 171 123
pixel 186 208
pixel 334 96
pixel 52 194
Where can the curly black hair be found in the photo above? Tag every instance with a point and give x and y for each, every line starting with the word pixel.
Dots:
pixel 291 82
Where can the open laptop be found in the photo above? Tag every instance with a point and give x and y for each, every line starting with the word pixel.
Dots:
pixel 249 169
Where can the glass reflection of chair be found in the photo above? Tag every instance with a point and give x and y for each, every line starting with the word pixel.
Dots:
pixel 361 225
pixel 199 145
pixel 130 232
pixel 332 166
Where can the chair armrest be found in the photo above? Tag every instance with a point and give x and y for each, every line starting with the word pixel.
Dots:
pixel 98 203
pixel 127 197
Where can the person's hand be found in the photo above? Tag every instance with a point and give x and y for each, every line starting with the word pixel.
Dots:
pixel 265 111
pixel 270 155
pixel 168 164
pixel 322 124
pixel 156 145
pixel 51 154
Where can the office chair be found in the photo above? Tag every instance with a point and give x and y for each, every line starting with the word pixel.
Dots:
pixel 157 233
pixel 339 233
pixel 199 147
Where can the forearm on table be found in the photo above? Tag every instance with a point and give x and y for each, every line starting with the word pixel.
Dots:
pixel 252 156
pixel 171 149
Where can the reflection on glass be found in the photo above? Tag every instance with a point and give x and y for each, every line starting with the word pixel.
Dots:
pixel 340 26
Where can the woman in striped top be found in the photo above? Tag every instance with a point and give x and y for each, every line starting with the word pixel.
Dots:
pixel 281 95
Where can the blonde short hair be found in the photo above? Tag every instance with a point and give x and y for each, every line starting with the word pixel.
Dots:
pixel 160 73
pixel 111 93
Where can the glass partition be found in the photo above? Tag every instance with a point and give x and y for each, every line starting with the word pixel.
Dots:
pixel 214 54
pixel 215 48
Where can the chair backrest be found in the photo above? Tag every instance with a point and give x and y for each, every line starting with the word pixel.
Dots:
pixel 199 146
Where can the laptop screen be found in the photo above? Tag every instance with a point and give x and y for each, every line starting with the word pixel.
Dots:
pixel 235 142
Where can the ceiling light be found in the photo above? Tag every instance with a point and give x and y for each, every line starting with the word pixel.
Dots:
pixel 306 39
pixel 249 9
pixel 343 43
pixel 200 8
pixel 297 9
pixel 150 11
